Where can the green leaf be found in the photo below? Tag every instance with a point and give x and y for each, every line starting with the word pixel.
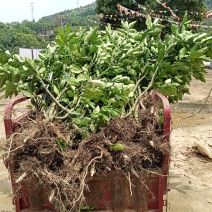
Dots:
pixel 106 118
pixel 161 53
pixel 178 78
pixel 168 90
pixel 96 110
pixel 61 36
pixel 114 112
pixel 67 28
pixel 66 77
pixel 92 127
pixel 206 39
pixel 70 36
pixel 182 52
pixel 61 144
pixel 56 90
pixel 3 80
pixel 28 94
pixel 93 93
pixel 57 65
pixel 85 121
pixel 149 22
pixel 123 79
pixel 10 89
pixel 97 83
pixel 3 58
pixel 155 32
pixel 147 69
pixel 175 29
pixel 165 65
pixel 16 78
pixel 18 58
pixel 70 93
pixel 198 53
pixel 185 18
pixel 206 59
pixel 117 147
pixel 94 34
pixel 139 53
pixel 132 24
pixel 186 79
pixel 130 51
pixel 87 208
pixel 170 48
pixel 30 64
pixel 76 69
pixel 199 37
pixel 182 66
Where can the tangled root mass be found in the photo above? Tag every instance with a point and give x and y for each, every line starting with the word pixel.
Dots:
pixel 37 155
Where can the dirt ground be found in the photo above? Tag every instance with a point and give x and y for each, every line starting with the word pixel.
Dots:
pixel 190 172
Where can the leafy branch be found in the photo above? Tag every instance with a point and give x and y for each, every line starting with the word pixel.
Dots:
pixel 104 74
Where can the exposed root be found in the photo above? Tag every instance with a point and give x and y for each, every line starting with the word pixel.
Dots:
pixel 83 184
pixel 21 178
pixel 130 184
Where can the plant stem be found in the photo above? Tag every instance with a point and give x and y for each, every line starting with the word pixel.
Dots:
pixel 139 97
pixel 54 99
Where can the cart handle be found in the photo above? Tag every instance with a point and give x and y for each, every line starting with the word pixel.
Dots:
pixel 166 115
pixel 8 123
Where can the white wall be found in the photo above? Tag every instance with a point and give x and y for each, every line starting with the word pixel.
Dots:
pixel 31 53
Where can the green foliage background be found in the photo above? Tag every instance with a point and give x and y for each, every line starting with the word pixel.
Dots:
pixel 110 7
pixel 32 33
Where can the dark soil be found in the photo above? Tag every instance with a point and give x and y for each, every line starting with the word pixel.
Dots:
pixel 43 152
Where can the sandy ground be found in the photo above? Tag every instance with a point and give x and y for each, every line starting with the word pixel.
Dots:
pixel 190 173
pixel 5 185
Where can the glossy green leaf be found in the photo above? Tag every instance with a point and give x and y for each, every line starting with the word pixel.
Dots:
pixel 117 147
pixel 168 90
pixel 161 53
pixel 149 22
pixel 3 58
pixel 62 145
pixel 56 90
pixel 175 29
pixel 3 80
pixel 197 54
pixel 76 69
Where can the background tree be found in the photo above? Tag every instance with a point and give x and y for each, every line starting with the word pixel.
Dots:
pixel 208 4
pixel 197 7
pixel 109 7
pixel 29 34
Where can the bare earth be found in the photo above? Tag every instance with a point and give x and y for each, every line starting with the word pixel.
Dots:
pixel 190 173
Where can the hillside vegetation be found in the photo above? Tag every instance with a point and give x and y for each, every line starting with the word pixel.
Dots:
pixel 208 4
pixel 83 17
pixel 31 34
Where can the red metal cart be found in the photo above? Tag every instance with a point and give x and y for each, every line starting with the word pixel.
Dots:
pixel 109 193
